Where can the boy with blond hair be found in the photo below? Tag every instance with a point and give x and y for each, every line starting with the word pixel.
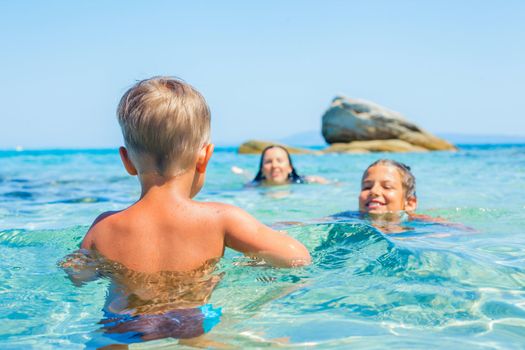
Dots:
pixel 166 234
pixel 166 127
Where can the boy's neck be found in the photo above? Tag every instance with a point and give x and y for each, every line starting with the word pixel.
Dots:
pixel 178 186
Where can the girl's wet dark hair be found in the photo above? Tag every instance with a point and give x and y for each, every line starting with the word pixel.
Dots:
pixel 293 177
pixel 407 178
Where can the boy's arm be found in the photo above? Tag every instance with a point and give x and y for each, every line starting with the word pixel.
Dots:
pixel 81 265
pixel 247 235
pixel 89 239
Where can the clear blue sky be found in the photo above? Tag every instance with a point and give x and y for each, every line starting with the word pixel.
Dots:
pixel 268 69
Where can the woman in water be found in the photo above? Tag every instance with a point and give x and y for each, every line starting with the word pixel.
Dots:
pixel 276 168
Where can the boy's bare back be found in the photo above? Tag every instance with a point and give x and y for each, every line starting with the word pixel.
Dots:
pixel 181 235
pixel 174 236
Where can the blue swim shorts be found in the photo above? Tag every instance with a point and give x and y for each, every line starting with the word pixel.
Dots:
pixel 178 324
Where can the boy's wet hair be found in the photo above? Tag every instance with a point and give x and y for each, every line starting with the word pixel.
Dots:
pixel 408 180
pixel 293 177
pixel 166 118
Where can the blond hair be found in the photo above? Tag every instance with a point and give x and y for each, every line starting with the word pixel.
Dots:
pixel 165 118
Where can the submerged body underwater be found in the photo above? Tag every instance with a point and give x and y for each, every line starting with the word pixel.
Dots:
pixel 429 285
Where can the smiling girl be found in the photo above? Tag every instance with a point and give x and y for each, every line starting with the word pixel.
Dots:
pixel 387 186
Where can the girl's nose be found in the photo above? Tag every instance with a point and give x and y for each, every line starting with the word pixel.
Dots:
pixel 375 190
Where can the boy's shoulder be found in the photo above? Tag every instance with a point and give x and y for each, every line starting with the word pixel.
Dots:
pixel 113 220
pixel 218 206
pixel 227 216
pixel 102 223
pixel 104 216
pixel 221 210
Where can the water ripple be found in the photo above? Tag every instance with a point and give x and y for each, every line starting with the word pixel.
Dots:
pixel 19 194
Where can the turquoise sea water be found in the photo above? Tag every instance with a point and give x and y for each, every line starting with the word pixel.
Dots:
pixel 433 286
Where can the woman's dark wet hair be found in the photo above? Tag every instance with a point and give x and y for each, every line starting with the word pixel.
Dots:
pixel 293 177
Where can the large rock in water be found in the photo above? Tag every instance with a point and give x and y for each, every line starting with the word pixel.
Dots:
pixel 350 120
pixel 256 147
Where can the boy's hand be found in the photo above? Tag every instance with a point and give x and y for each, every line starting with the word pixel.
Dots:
pixel 80 267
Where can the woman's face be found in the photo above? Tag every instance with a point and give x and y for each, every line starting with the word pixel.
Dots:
pixel 276 166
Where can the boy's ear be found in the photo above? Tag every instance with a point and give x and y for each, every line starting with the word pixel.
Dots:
pixel 204 157
pixel 411 204
pixel 128 164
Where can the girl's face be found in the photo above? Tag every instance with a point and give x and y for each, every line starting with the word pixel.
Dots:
pixel 382 191
pixel 276 166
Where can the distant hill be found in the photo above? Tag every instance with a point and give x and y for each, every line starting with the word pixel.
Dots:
pixel 306 138
pixel 314 138
pixel 481 139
